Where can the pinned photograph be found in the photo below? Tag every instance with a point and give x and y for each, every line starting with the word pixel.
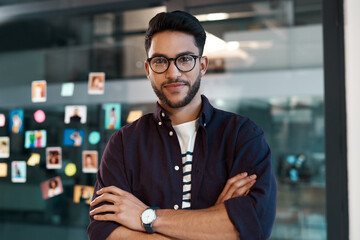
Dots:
pixel 38 91
pixel 112 115
pixel 16 120
pixel 35 139
pixel 34 159
pixel 89 161
pixel 75 114
pixel 96 83
pixel 51 188
pixel 4 147
pixel 3 169
pixel 2 120
pixel 73 137
pixel 18 171
pixel 83 194
pixel 53 158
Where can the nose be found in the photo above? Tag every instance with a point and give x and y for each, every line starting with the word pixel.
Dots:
pixel 173 72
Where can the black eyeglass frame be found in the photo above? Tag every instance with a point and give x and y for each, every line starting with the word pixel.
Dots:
pixel 174 59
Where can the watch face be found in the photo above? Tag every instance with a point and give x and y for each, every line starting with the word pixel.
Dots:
pixel 148 216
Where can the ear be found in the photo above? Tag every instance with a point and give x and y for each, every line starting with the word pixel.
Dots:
pixel 204 63
pixel 147 68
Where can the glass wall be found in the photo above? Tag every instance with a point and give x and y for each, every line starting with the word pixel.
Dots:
pixel 265 63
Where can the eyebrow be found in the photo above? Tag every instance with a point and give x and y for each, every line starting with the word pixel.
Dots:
pixel 179 54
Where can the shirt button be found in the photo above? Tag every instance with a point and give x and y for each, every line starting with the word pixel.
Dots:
pixel 160 123
pixel 176 168
pixel 176 207
pixel 204 124
pixel 171 133
pixel 163 114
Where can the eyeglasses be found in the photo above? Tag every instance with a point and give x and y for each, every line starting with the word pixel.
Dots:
pixel 185 63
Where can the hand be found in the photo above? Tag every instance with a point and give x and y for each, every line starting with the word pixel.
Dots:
pixel 237 186
pixel 125 208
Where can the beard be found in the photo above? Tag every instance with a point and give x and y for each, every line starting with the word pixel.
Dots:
pixel 190 95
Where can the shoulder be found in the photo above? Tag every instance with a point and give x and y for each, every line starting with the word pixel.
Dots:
pixel 137 127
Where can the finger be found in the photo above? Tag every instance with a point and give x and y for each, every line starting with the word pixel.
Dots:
pixel 237 186
pixel 228 185
pixel 244 190
pixel 106 197
pixel 105 217
pixel 111 189
pixel 103 209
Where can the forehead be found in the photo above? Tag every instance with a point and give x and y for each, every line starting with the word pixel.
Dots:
pixel 171 43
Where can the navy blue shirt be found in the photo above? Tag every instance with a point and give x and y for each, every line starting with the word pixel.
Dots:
pixel 144 158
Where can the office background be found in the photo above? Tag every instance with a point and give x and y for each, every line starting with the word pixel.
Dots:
pixel 266 62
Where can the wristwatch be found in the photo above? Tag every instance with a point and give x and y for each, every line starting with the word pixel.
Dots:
pixel 148 217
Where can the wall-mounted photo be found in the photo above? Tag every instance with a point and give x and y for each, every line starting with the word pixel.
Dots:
pixel 38 91
pixel 16 121
pixel 73 137
pixel 96 83
pixel 112 115
pixel 83 194
pixel 53 158
pixel 75 114
pixel 4 147
pixel 35 139
pixel 3 169
pixel 89 161
pixel 18 171
pixel 51 188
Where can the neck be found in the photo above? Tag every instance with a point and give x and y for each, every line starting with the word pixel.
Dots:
pixel 184 114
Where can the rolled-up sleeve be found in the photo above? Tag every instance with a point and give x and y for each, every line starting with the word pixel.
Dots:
pixel 111 173
pixel 253 215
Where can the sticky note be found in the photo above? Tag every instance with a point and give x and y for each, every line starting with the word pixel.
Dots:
pixel 34 159
pixel 67 89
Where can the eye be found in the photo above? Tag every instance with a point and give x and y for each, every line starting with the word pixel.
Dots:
pixel 159 60
pixel 185 59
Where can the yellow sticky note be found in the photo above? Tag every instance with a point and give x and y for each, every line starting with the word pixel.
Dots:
pixel 34 159
pixel 70 169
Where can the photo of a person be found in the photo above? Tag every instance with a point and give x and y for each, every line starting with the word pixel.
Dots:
pixel 18 171
pixel 96 83
pixel 75 114
pixel 76 137
pixel 16 121
pixel 51 188
pixel 53 158
pixel 2 120
pixel 3 169
pixel 83 194
pixel 89 161
pixel 73 137
pixel 35 139
pixel 4 147
pixel 38 91
pixel 112 115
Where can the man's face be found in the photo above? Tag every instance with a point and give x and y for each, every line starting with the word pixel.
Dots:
pixel 174 88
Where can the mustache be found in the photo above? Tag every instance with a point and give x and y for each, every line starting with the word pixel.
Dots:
pixel 175 81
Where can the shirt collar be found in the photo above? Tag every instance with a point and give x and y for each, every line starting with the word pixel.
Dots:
pixel 205 114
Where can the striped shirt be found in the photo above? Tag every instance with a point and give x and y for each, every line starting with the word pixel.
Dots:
pixel 186 133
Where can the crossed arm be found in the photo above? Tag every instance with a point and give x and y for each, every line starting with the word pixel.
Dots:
pixel 210 223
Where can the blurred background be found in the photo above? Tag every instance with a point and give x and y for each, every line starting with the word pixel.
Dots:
pixel 266 62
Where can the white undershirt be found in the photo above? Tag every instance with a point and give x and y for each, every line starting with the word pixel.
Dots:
pixel 186 133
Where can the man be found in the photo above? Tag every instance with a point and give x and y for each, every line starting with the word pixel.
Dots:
pixel 187 155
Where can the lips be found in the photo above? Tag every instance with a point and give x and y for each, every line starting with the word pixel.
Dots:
pixel 175 86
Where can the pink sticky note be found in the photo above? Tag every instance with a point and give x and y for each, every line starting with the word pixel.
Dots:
pixel 39 116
